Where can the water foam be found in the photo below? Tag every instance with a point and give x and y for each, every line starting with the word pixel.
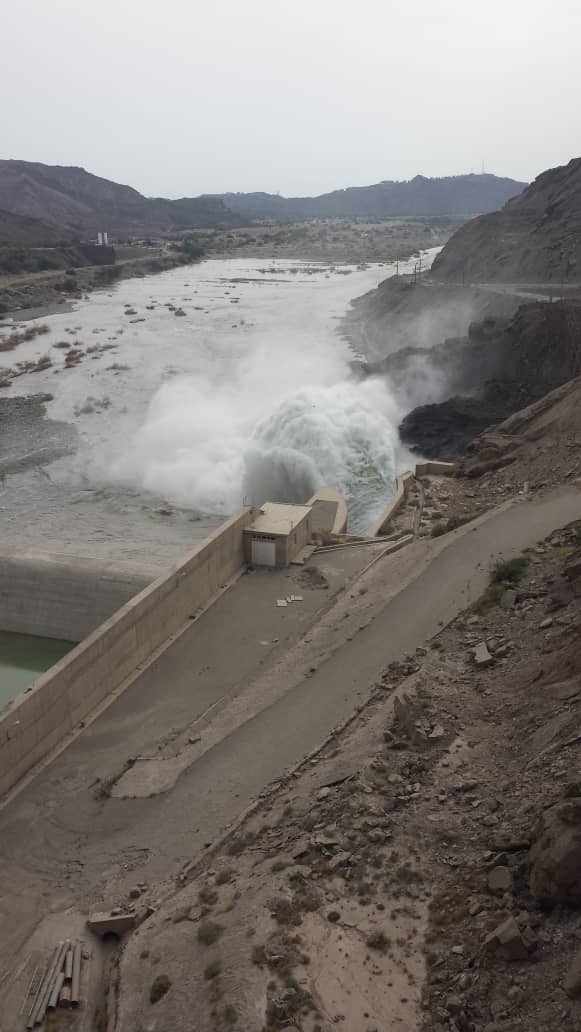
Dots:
pixel 267 415
pixel 201 449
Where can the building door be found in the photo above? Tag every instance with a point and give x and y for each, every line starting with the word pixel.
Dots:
pixel 263 552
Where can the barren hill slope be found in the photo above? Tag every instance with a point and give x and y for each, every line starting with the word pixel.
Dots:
pixel 74 198
pixel 535 238
pixel 450 195
pixel 22 231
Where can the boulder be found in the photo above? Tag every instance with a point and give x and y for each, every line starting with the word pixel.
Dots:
pixel 507 940
pixel 482 657
pixel 500 879
pixel 555 856
pixel 573 567
pixel 572 983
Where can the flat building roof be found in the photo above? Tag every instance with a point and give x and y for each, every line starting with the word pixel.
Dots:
pixel 278 519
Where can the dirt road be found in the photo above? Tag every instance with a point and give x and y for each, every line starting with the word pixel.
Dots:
pixel 66 847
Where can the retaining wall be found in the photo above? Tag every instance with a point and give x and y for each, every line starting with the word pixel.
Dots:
pixel 403 485
pixel 423 469
pixel 36 722
pixel 435 469
pixel 329 511
pixel 65 600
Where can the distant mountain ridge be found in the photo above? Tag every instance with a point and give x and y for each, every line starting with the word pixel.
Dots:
pixel 452 195
pixel 535 238
pixel 81 203
pixel 77 200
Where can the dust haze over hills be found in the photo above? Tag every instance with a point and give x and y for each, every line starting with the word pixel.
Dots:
pixel 451 195
pixel 77 200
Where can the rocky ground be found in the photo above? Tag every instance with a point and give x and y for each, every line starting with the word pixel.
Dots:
pixel 421 870
pixel 499 368
pixel 536 448
pixel 334 240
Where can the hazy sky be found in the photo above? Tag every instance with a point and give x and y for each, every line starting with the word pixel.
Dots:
pixel 180 97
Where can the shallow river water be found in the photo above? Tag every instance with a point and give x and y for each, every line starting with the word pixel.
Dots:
pixel 180 418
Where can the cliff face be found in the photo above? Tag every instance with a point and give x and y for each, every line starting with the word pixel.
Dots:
pixel 535 238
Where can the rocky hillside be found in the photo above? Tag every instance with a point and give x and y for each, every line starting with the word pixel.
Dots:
pixel 21 231
pixel 77 200
pixel 402 313
pixel 500 367
pixel 452 195
pixel 535 238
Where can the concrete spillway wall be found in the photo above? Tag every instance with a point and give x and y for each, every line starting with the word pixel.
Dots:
pixel 39 720
pixel 401 492
pixel 403 484
pixel 52 598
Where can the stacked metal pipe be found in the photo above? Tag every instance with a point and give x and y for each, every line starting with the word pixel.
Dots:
pixel 60 985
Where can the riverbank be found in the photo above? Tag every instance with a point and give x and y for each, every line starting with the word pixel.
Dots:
pixel 44 293
pixel 336 241
pixel 342 241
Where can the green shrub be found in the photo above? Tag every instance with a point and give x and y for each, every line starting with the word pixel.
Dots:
pixel 107 274
pixel 445 526
pixel 159 987
pixel 212 970
pixel 190 248
pixel 378 941
pixel 439 529
pixel 509 571
pixel 209 932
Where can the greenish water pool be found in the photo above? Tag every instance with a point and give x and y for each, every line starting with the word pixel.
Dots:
pixel 23 657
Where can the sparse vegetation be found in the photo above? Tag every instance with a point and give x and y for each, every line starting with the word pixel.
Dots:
pixel 225 876
pixel 378 941
pixel 258 955
pixel 504 574
pixel 209 932
pixel 509 571
pixel 438 529
pixel 16 338
pixel 208 896
pixel 445 526
pixel 66 285
pixel 212 970
pixel 159 987
pixel 190 248
pixel 107 275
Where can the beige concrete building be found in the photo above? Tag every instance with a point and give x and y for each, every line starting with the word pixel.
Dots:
pixel 277 534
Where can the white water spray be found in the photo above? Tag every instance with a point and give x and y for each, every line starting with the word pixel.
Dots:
pixel 268 414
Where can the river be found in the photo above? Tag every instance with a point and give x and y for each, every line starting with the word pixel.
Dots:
pixel 181 418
